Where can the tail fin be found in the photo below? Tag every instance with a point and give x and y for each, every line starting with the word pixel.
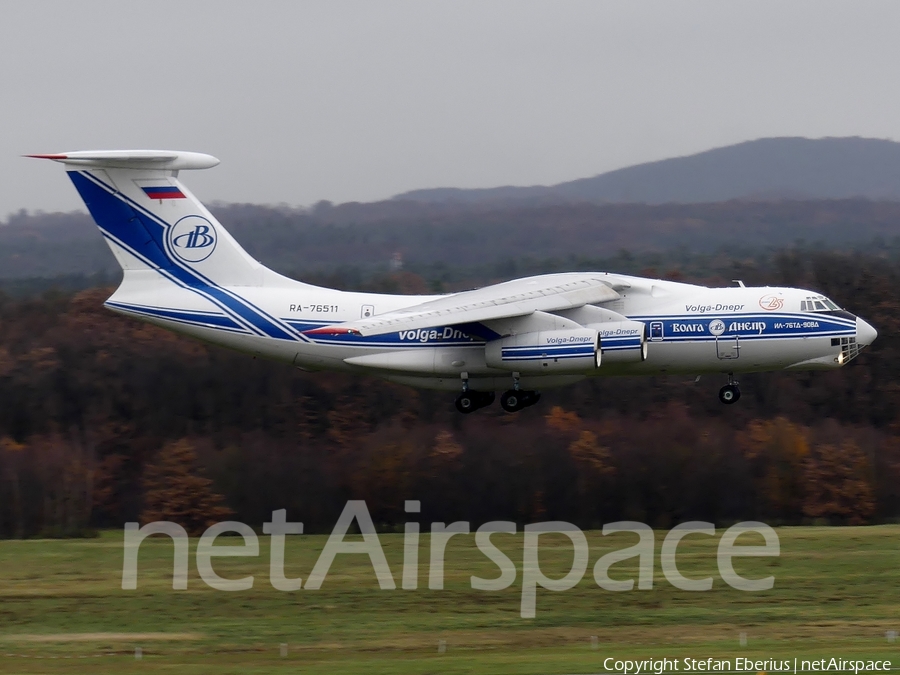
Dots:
pixel 152 221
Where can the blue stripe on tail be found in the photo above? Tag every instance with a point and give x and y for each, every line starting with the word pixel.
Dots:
pixel 121 221
pixel 144 236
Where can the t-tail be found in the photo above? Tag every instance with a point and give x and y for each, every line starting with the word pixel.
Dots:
pixel 151 221
pixel 181 267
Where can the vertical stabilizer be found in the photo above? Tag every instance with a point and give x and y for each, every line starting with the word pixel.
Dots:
pixel 152 221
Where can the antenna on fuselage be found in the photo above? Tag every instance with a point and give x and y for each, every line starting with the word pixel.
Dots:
pixel 738 282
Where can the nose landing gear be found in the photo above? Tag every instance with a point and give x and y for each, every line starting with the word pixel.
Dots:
pixel 730 393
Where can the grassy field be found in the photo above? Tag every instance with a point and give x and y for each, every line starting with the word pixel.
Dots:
pixel 62 609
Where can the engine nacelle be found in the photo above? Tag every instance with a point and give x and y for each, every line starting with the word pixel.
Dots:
pixel 572 350
pixel 622 341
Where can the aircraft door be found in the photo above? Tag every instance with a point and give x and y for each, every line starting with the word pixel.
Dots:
pixel 366 311
pixel 728 346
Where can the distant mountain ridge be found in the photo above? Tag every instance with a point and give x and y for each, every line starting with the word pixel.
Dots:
pixel 761 170
pixel 457 237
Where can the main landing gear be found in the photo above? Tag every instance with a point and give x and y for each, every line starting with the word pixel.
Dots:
pixel 514 400
pixel 470 401
pixel 730 393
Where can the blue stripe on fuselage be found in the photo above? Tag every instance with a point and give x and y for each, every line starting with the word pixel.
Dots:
pixel 746 326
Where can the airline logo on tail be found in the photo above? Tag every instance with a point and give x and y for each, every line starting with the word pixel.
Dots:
pixel 192 239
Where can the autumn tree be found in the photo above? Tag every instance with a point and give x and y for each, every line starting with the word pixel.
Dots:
pixel 65 469
pixel 446 450
pixel 837 484
pixel 175 491
pixel 13 517
pixel 591 460
pixel 777 450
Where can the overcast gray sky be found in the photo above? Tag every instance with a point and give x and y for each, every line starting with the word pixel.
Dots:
pixel 347 101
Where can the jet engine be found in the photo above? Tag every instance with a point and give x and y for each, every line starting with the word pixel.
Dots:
pixel 571 350
pixel 623 341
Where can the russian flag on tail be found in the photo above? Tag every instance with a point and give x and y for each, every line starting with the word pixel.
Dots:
pixel 163 192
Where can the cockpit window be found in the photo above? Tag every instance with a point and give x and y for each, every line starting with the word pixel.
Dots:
pixel 817 303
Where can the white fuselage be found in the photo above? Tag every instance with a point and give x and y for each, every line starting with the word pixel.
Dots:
pixel 689 329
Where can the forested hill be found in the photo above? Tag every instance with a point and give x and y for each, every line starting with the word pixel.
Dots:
pixel 463 238
pixel 796 168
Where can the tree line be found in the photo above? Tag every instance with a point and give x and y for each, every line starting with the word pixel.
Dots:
pixel 105 420
pixel 454 243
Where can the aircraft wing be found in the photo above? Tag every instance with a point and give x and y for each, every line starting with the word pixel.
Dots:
pixel 546 293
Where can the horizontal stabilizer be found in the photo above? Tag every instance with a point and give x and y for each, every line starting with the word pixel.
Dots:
pixel 134 159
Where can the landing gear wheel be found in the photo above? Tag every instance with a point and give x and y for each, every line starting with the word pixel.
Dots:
pixel 510 401
pixel 531 397
pixel 465 403
pixel 514 400
pixel 729 394
pixel 470 401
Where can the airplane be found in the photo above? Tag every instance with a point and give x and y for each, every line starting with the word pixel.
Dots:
pixel 184 272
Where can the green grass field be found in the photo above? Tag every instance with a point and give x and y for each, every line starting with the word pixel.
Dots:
pixel 62 609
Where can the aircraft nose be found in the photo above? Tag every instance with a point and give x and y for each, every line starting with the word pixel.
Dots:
pixel 865 333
